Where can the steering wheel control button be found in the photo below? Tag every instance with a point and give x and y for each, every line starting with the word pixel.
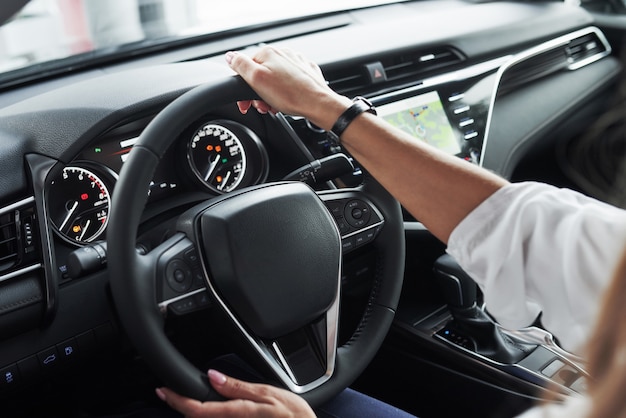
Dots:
pixel 357 213
pixel 183 306
pixel 343 226
pixel 348 244
pixel 178 276
pixel 191 256
pixel 364 237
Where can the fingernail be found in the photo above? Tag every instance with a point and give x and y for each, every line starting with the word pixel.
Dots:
pixel 216 377
pixel 160 394
pixel 229 56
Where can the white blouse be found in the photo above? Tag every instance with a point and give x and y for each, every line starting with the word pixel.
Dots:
pixel 535 248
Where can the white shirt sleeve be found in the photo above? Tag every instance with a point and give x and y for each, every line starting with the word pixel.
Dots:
pixel 574 406
pixel 535 248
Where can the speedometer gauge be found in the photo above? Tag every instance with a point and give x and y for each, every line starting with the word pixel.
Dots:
pixel 78 204
pixel 217 157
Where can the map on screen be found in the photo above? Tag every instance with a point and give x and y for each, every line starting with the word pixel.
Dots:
pixel 424 118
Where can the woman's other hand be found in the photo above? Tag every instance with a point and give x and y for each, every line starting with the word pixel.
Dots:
pixel 244 399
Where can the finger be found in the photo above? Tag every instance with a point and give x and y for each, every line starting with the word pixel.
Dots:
pixel 244 106
pixel 261 106
pixel 184 405
pixel 224 409
pixel 242 64
pixel 232 388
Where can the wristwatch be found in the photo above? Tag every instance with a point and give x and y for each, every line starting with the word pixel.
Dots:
pixel 359 105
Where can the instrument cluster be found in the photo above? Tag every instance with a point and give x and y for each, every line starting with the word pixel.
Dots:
pixel 214 155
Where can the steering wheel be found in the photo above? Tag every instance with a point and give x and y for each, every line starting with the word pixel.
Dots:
pixel 269 255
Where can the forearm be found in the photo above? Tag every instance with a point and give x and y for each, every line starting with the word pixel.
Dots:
pixel 438 189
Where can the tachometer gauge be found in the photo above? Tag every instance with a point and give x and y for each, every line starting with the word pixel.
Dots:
pixel 217 157
pixel 78 204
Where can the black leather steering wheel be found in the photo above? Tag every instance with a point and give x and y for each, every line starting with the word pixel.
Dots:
pixel 269 255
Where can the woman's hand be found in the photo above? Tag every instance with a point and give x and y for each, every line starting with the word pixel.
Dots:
pixel 289 83
pixel 244 400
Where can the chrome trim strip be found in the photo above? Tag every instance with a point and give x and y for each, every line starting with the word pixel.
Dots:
pixel 351 234
pixel 16 205
pixel 529 53
pixel 459 75
pixel 19 272
pixel 506 367
pixel 534 335
pixel 283 360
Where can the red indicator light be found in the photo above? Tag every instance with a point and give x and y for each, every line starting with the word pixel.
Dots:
pixel 209 147
pixel 84 196
pixel 219 179
pixel 218 148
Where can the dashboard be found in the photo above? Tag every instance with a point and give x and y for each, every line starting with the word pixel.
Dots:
pixel 491 83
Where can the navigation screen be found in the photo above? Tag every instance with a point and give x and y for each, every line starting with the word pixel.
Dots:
pixel 424 118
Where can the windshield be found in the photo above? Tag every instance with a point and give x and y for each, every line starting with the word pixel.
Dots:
pixel 45 31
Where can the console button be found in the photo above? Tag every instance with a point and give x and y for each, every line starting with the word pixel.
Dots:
pixel 551 369
pixel 48 358
pixel 579 385
pixel 9 376
pixel 68 350
pixel 29 368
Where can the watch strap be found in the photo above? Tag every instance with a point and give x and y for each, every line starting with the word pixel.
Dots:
pixel 359 105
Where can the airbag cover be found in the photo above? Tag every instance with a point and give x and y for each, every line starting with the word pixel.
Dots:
pixel 274 256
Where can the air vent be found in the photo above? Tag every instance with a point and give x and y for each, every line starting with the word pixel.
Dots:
pixel 419 64
pixel 569 52
pixel 9 254
pixel 533 68
pixel 347 79
pixel 408 66
pixel 585 49
pixel 18 241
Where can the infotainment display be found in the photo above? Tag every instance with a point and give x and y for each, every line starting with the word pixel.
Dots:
pixel 424 118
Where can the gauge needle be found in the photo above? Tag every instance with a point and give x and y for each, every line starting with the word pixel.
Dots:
pixel 85 228
pixel 212 167
pixel 69 214
pixel 224 182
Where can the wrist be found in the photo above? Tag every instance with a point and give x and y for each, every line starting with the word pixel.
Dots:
pixel 328 110
pixel 358 106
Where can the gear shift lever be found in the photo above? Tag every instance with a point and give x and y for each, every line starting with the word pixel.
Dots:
pixel 471 326
pixel 458 287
